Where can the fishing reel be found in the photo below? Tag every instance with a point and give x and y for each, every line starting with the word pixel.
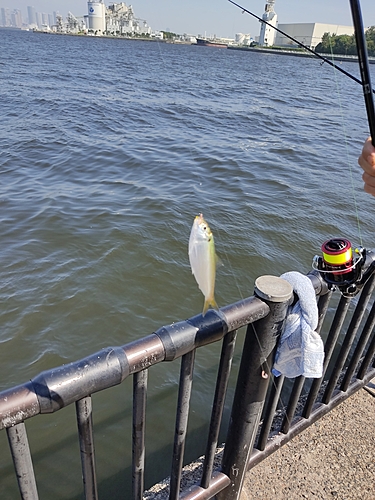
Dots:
pixel 340 269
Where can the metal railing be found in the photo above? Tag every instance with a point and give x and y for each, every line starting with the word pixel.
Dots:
pixel 256 400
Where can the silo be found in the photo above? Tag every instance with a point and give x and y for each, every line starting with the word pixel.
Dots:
pixel 96 13
pixel 240 38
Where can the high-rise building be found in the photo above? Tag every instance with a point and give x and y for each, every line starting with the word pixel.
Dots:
pixel 16 18
pixel 5 17
pixel 50 20
pixel 31 15
pixel 39 21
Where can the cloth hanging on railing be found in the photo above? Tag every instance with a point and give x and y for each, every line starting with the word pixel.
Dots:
pixel 300 350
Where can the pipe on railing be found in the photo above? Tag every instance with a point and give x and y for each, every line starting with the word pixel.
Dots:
pixel 218 482
pixel 264 314
pixel 54 389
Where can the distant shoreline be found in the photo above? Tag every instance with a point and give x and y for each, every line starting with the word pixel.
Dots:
pixel 287 52
pixel 259 50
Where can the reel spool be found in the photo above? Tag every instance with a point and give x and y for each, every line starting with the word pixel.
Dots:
pixel 338 260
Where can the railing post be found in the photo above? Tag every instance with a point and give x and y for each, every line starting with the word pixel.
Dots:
pixel 23 465
pixel 252 382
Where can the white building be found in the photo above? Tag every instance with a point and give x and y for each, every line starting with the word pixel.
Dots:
pixel 243 39
pixel 267 33
pixel 310 34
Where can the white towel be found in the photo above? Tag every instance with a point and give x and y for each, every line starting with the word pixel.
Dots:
pixel 300 350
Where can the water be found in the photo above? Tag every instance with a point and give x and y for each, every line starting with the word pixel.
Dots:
pixel 109 148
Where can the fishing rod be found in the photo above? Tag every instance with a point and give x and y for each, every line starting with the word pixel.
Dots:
pixel 363 65
pixel 302 45
pixel 337 267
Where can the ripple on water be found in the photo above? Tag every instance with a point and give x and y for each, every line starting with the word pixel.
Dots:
pixel 105 166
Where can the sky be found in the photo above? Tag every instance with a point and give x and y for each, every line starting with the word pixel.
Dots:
pixel 214 17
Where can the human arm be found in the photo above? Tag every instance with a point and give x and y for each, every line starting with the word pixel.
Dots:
pixel 367 163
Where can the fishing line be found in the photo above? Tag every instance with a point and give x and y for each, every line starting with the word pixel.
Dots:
pixel 365 81
pixel 332 64
pixel 348 162
pixel 199 179
pixel 365 77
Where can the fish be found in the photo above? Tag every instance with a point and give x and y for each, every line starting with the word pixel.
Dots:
pixel 203 260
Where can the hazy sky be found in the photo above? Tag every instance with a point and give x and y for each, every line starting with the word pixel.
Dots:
pixel 214 16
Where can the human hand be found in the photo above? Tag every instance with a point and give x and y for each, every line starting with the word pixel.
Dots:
pixel 367 162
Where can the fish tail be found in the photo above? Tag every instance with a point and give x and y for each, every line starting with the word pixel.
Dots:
pixel 209 302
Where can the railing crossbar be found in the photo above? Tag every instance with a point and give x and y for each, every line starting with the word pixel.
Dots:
pixel 264 315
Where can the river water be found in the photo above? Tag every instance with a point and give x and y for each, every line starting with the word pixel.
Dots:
pixel 109 148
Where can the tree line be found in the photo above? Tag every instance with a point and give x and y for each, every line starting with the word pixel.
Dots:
pixel 345 44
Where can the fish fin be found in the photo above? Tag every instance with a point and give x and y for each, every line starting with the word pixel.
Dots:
pixel 208 303
pixel 218 261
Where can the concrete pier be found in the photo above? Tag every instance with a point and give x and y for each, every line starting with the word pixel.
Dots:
pixel 333 458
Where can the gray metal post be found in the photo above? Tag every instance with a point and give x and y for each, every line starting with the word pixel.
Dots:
pixel 252 382
pixel 23 465
pixel 139 428
pixel 183 405
pixel 86 444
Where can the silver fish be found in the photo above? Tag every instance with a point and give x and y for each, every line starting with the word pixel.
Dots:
pixel 203 260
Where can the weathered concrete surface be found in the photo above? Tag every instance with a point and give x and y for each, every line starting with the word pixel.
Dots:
pixel 332 459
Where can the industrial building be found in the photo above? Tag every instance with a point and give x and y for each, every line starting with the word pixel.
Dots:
pixel 116 19
pixel 310 34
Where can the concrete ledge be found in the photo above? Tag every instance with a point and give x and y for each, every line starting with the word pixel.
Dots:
pixel 333 458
